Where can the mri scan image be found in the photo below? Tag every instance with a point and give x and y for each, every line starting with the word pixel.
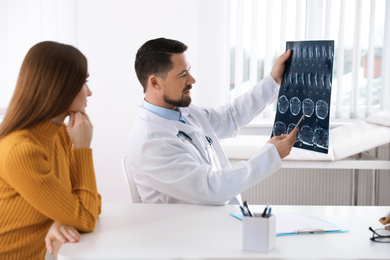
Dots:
pixel 308 107
pixel 279 128
pixel 295 106
pixel 291 127
pixel 320 137
pixel 305 135
pixel 306 90
pixel 322 109
pixel 283 104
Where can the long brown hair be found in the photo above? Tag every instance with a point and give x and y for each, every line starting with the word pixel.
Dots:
pixel 51 76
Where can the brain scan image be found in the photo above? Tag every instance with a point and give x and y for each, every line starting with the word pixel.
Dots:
pixel 290 128
pixel 321 84
pixel 322 109
pixel 330 53
pixel 295 106
pixel 283 104
pixel 315 76
pixel 308 107
pixel 279 128
pixel 305 93
pixel 324 54
pixel 310 53
pixel 296 79
pixel 320 137
pixel 328 81
pixel 302 79
pixel 308 81
pixel 305 135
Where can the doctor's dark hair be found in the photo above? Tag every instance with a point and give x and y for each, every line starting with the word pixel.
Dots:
pixel 154 58
pixel 51 76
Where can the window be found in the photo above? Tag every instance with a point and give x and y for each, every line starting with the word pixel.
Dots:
pixel 360 29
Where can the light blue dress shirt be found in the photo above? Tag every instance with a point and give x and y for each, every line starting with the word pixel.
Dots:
pixel 164 112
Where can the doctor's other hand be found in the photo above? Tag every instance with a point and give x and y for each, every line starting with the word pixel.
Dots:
pixel 279 66
pixel 284 143
pixel 62 233
pixel 80 130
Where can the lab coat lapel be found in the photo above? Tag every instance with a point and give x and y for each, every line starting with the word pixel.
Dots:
pixel 196 134
pixel 197 137
pixel 210 133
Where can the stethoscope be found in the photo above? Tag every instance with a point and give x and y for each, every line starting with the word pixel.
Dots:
pixel 181 133
pixel 184 135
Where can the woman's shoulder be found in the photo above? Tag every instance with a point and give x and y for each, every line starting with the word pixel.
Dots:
pixel 15 146
pixel 14 138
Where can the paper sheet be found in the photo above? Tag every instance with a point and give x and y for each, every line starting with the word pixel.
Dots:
pixel 290 222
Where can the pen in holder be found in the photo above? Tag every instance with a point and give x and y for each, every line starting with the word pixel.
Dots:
pixel 259 233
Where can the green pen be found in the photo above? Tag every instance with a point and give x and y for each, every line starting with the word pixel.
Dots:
pixel 269 212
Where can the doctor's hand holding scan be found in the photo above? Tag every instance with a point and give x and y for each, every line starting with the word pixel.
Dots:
pixel 279 66
pixel 174 146
pixel 284 143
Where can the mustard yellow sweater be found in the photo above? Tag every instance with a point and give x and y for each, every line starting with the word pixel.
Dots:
pixel 42 180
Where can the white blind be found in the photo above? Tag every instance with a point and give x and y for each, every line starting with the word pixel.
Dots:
pixel 360 29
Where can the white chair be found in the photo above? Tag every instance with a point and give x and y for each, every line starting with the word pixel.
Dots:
pixel 130 180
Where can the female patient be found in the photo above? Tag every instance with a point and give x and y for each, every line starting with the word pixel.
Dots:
pixel 47 180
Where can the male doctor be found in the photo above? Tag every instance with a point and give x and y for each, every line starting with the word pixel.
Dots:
pixel 174 149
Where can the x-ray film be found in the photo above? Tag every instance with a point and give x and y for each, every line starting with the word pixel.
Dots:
pixel 306 90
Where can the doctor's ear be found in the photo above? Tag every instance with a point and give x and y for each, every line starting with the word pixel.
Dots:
pixel 154 82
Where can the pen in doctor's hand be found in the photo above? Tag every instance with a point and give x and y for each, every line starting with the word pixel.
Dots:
pixel 302 117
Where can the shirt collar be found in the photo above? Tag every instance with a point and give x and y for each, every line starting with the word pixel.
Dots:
pixel 163 112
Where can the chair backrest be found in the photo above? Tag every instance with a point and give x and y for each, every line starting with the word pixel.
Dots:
pixel 130 180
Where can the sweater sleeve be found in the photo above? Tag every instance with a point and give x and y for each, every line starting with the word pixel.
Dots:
pixel 30 174
pixel 82 175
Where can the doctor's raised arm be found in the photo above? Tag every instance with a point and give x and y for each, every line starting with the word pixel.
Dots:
pixel 174 146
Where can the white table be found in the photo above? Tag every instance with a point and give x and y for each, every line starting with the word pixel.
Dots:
pixel 146 231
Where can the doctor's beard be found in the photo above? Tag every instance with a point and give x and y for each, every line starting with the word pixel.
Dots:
pixel 185 101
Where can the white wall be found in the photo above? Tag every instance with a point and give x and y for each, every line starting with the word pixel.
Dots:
pixel 109 34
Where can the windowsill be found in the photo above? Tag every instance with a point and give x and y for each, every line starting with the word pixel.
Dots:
pixel 264 127
pixel 333 124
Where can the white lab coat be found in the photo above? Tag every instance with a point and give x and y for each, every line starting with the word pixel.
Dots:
pixel 172 167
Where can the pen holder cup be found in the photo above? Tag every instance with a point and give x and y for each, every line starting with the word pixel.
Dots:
pixel 259 233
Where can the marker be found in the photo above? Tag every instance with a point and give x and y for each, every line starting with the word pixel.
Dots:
pixel 243 211
pixel 303 116
pixel 269 212
pixel 247 209
pixel 265 211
